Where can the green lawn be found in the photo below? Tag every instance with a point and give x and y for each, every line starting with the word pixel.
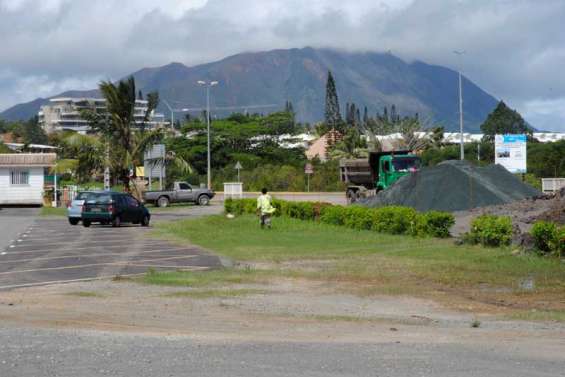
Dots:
pixel 50 211
pixel 369 261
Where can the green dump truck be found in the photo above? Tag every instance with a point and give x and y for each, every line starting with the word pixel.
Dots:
pixel 366 177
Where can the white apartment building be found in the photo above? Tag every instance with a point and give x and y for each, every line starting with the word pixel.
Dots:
pixel 64 114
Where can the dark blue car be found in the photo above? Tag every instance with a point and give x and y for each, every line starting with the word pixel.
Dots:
pixel 114 208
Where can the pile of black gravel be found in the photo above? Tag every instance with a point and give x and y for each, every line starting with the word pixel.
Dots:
pixel 454 186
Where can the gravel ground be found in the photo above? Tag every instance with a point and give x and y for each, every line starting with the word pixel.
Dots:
pixel 33 353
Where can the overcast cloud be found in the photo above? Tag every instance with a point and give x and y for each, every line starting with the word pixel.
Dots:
pixel 515 49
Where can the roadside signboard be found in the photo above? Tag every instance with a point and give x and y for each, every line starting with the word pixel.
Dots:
pixel 238 167
pixel 308 170
pixel 151 169
pixel 510 152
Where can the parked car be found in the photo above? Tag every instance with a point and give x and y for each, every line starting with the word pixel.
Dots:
pixel 181 192
pixel 114 208
pixel 74 208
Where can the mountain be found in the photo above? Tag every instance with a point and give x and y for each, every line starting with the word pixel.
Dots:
pixel 368 79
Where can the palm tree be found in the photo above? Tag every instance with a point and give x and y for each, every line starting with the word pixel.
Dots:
pixel 126 141
pixel 87 152
pixel 351 146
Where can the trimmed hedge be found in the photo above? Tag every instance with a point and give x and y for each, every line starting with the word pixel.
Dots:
pixel 490 230
pixel 392 219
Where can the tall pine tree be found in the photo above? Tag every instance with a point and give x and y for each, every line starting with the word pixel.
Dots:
pixel 332 114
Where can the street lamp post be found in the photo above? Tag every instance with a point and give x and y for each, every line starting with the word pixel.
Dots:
pixel 459 53
pixel 208 85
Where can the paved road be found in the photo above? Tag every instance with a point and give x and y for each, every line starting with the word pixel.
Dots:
pixel 328 197
pixel 47 250
pixel 34 353
pixel 13 221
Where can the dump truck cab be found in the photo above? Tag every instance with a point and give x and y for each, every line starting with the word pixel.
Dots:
pixel 390 168
pixel 366 177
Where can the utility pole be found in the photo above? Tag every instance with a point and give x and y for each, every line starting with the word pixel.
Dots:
pixel 459 53
pixel 208 85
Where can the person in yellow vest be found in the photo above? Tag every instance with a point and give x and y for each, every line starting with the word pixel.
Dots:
pixel 265 208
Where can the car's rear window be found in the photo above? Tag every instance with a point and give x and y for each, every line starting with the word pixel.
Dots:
pixel 84 195
pixel 99 198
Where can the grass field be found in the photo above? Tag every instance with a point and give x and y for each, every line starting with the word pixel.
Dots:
pixel 50 211
pixel 367 263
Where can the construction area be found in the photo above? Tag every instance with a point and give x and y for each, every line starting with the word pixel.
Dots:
pixel 469 191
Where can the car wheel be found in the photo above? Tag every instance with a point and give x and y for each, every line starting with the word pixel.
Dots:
pixel 86 223
pixel 73 221
pixel 203 200
pixel 145 220
pixel 116 222
pixel 163 201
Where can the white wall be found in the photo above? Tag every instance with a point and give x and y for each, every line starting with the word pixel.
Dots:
pixel 22 194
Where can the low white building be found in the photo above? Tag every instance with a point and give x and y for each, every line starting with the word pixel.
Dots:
pixel 22 177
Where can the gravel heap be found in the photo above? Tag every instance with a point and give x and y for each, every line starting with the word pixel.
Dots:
pixel 454 186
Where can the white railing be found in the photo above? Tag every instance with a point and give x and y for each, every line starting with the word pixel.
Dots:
pixel 233 190
pixel 552 184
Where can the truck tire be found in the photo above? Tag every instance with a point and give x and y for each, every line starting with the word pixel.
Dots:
pixel 86 223
pixel 73 221
pixel 352 196
pixel 163 201
pixel 203 200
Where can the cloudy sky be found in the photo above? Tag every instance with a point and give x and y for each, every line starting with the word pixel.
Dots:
pixel 515 49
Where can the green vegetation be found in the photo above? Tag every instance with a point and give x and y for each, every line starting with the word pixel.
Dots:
pixel 201 278
pixel 391 219
pixel 85 294
pixel 28 132
pixel 51 211
pixel 490 230
pixel 214 293
pixel 549 238
pixel 362 261
pixel 539 315
pixel 503 120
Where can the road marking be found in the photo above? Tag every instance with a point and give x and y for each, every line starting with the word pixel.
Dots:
pixel 179 249
pixel 195 268
pixel 153 243
pixel 82 240
pixel 95 264
pixel 93 248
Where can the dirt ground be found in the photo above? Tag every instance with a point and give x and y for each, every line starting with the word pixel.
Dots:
pixel 284 310
pixel 523 213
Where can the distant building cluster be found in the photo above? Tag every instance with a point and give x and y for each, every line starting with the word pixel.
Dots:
pixel 64 114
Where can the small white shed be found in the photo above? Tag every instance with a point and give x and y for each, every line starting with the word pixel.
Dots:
pixel 22 177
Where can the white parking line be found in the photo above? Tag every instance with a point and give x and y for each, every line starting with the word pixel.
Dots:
pixel 15 251
pixel 27 243
pixel 89 255
pixel 126 263
pixel 27 285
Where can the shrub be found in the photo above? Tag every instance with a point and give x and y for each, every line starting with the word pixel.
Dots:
pixel 228 205
pixel 394 220
pixel 334 215
pixel 356 217
pixel 491 230
pixel 545 236
pixel 434 224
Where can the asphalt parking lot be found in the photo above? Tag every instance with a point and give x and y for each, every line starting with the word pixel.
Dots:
pixel 48 251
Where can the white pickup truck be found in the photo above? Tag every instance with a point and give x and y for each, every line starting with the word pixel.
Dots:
pixel 182 192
